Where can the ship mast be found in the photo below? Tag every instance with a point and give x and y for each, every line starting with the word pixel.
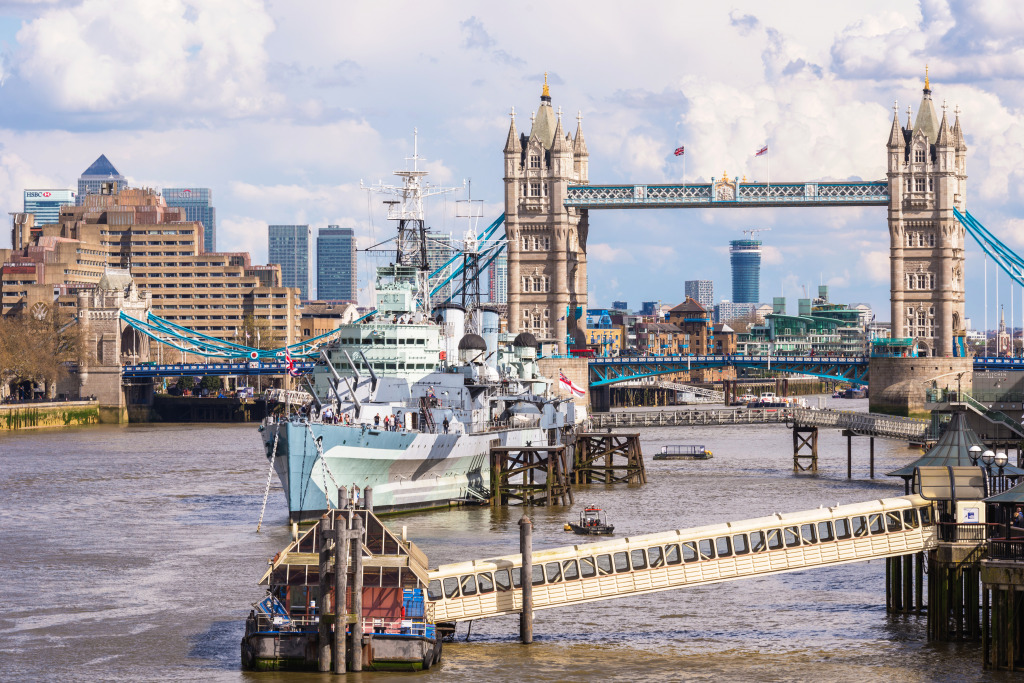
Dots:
pixel 412 238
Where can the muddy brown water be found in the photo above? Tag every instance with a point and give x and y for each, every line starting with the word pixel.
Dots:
pixel 130 553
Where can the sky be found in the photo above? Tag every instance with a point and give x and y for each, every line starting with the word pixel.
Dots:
pixel 287 110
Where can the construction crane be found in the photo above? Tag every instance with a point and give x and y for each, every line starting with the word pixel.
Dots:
pixel 753 232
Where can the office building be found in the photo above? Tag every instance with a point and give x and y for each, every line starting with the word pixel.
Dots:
pixel 198 207
pixel 620 306
pixel 745 259
pixel 289 247
pixel 91 181
pixel 210 293
pixel 45 204
pixel 648 307
pixel 701 291
pixel 336 264
pixel 497 280
pixel 728 311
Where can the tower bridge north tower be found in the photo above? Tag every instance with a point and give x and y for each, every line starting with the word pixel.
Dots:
pixel 927 175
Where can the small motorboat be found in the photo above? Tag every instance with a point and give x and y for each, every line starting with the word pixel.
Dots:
pixel 592 523
pixel 683 452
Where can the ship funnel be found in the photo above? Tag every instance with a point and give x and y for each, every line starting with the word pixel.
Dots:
pixel 453 326
pixel 489 323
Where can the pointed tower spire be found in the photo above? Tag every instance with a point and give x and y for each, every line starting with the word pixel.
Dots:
pixel 896 133
pixel 545 94
pixel 512 145
pixel 958 135
pixel 579 145
pixel 945 135
pixel 558 143
pixel 926 121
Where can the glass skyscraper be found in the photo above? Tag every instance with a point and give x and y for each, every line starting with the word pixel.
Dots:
pixel 336 264
pixel 289 247
pixel 745 258
pixel 45 204
pixel 497 279
pixel 91 181
pixel 197 204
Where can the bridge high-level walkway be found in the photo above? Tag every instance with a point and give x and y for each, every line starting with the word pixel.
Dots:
pixel 682 558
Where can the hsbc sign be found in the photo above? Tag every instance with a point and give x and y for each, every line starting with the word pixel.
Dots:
pixel 52 195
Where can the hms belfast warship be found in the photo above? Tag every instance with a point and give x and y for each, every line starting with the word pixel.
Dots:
pixel 448 392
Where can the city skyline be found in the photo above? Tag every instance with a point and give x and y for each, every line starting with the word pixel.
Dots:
pixel 817 90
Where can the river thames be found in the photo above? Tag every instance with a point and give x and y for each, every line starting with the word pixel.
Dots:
pixel 130 553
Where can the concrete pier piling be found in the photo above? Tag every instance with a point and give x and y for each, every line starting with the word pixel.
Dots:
pixel 904 584
pixel 355 646
pixel 324 630
pixel 526 548
pixel 341 555
pixel 1002 614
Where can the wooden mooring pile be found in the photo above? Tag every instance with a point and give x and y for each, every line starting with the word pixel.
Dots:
pixel 544 475
pixel 530 475
pixel 608 458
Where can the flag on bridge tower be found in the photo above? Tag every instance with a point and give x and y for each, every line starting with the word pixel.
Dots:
pixel 768 172
pixel 681 152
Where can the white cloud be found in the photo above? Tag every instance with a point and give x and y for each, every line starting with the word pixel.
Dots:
pixel 282 113
pixel 875 264
pixel 243 234
pixel 605 253
pixel 772 255
pixel 183 54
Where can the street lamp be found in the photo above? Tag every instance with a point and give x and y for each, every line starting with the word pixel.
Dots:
pixel 1000 462
pixel 974 452
pixel 987 457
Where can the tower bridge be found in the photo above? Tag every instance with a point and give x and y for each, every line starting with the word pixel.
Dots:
pixel 549 195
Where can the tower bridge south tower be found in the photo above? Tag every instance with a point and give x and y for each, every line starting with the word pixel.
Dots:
pixel 547 241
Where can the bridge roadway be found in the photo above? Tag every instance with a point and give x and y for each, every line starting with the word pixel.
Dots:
pixel 603 371
pixel 863 424
pixel 570 575
pixel 853 369
pixel 725 193
pixel 203 369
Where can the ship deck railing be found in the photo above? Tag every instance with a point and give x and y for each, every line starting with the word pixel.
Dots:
pixel 410 628
pixel 276 624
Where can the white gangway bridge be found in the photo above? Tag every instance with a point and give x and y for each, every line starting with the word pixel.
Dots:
pixel 569 575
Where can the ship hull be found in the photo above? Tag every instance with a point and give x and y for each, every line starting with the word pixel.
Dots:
pixel 407 470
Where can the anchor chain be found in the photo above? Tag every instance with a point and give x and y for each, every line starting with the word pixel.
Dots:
pixel 323 465
pixel 270 476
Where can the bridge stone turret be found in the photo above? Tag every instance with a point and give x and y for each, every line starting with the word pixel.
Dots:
pixel 927 173
pixel 927 180
pixel 110 342
pixel 547 241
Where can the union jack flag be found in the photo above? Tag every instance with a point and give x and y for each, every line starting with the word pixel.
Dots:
pixel 679 151
pixel 763 150
pixel 292 370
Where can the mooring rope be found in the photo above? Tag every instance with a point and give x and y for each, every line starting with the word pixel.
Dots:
pixel 270 476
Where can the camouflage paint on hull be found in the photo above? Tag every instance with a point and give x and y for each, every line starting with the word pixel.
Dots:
pixel 407 470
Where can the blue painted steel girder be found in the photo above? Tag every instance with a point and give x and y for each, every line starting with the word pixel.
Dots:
pixel 204 369
pixel 708 195
pixel 606 371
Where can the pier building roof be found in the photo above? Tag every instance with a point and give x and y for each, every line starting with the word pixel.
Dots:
pixel 951 450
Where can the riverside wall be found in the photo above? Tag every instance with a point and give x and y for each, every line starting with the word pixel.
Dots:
pixel 19 416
